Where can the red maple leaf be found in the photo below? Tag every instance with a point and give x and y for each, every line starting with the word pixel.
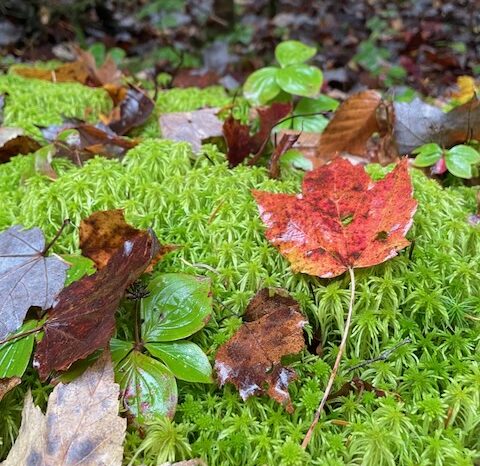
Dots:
pixel 341 220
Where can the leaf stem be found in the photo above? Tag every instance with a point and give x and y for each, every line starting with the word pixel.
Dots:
pixel 341 350
pixel 18 336
pixel 57 235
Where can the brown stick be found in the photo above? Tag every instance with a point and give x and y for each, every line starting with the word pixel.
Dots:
pixel 341 350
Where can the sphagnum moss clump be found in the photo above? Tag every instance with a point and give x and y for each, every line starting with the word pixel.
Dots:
pixel 431 414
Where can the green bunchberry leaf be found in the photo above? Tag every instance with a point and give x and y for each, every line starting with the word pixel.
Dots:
pixel 261 86
pixel 466 153
pixel 458 166
pixel 428 154
pixel 304 80
pixel 120 349
pixel 117 54
pixel 178 306
pixel 297 159
pixel 79 267
pixel 185 359
pixel 293 52
pixel 313 123
pixel 15 354
pixel 148 387
pixel 98 50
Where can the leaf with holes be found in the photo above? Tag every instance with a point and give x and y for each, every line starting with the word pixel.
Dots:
pixel 251 359
pixel 341 220
pixel 27 277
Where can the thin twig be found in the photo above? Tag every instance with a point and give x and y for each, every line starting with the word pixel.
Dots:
pixel 200 266
pixel 59 232
pixel 341 350
pixel 384 355
pixel 20 335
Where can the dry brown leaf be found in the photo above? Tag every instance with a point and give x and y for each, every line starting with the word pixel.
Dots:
pixel 350 128
pixel 251 359
pixel 8 384
pixel 13 141
pixel 81 425
pixel 75 71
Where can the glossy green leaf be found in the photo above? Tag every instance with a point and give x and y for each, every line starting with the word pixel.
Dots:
pixel 297 159
pixel 185 359
pixel 428 154
pixel 148 387
pixel 261 86
pixel 467 153
pixel 15 355
pixel 458 166
pixel 178 306
pixel 120 349
pixel 307 106
pixel 302 80
pixel 292 52
pixel 79 267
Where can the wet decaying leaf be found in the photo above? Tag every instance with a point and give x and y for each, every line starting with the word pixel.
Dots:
pixel 27 277
pixel 133 110
pixel 241 143
pixel 13 141
pixel 350 128
pixel 193 127
pixel 81 425
pixel 418 123
pixel 82 319
pixel 341 220
pixel 8 384
pixel 104 231
pixel 107 73
pixel 251 359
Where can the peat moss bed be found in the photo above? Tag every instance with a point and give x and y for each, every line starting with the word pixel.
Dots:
pixel 431 414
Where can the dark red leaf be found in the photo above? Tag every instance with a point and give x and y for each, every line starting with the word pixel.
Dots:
pixel 82 318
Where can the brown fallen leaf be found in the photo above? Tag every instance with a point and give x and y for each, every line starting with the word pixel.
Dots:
pixel 13 141
pixel 251 359
pixel 103 232
pixel 350 128
pixel 193 127
pixel 82 318
pixel 81 425
pixel 418 123
pixel 75 71
pixel 8 384
pixel 107 73
pixel 133 110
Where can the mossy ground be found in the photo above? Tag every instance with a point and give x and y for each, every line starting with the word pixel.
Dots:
pixel 431 415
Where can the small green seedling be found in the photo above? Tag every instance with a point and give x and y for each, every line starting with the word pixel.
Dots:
pixel 293 76
pixel 458 160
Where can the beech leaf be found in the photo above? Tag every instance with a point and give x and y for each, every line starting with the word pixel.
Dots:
pixel 342 220
pixel 251 359
pixel 82 319
pixel 350 128
pixel 27 277
pixel 81 425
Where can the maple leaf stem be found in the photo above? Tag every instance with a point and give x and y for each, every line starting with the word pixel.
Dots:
pixel 341 350
pixel 57 235
pixel 19 336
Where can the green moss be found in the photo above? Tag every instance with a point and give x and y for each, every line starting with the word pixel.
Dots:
pixel 431 414
pixel 188 99
pixel 33 102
